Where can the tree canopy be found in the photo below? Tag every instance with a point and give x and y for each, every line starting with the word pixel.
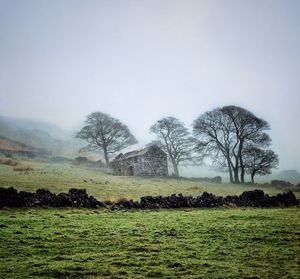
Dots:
pixel 259 161
pixel 224 133
pixel 105 133
pixel 175 140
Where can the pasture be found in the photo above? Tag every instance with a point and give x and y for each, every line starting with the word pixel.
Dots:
pixel 61 177
pixel 183 243
pixel 210 243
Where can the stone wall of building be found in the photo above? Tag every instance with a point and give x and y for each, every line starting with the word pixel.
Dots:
pixel 154 163
pixel 151 166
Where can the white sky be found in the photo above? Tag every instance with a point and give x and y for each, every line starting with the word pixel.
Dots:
pixel 142 60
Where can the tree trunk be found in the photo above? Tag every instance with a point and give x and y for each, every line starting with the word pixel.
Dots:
pixel 175 167
pixel 106 157
pixel 242 169
pixel 230 174
pixel 236 170
pixel 236 175
pixel 230 170
pixel 252 177
pixel 242 173
pixel 241 162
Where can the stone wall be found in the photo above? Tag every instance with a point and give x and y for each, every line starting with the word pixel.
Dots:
pixel 10 197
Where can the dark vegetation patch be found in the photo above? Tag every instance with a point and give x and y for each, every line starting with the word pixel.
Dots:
pixel 23 168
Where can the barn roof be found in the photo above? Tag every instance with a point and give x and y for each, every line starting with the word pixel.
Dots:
pixel 137 153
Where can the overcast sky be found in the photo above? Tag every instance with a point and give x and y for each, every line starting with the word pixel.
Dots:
pixel 141 60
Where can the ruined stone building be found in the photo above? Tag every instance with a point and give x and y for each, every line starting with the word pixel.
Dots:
pixel 150 161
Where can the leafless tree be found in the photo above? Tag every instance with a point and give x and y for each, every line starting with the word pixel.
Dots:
pixel 213 130
pixel 105 133
pixel 223 134
pixel 175 140
pixel 259 161
pixel 248 130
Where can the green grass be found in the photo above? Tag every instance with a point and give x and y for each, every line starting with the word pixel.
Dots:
pixel 185 243
pixel 215 243
pixel 60 177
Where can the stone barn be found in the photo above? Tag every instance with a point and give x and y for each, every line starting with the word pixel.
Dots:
pixel 150 161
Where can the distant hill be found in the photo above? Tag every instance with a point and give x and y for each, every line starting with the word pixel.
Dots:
pixel 9 147
pixel 29 124
pixel 41 135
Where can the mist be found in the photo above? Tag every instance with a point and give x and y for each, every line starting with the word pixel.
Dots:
pixel 142 60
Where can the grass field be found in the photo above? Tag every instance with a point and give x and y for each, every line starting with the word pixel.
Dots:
pixel 60 177
pixel 216 243
pixel 185 243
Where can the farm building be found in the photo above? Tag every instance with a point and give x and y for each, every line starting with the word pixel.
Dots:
pixel 150 161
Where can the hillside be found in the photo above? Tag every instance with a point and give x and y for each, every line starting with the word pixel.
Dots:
pixel 9 145
pixel 40 135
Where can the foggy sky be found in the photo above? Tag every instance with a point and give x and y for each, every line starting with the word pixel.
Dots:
pixel 142 60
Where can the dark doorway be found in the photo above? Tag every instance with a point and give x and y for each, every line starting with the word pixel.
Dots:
pixel 130 171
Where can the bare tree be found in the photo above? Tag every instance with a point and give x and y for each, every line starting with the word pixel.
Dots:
pixel 215 139
pixel 223 134
pixel 259 161
pixel 248 130
pixel 175 140
pixel 105 133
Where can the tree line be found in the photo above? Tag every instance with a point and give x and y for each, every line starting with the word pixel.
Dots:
pixel 230 138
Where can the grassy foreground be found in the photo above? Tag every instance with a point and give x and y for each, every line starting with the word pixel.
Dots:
pixel 191 243
pixel 215 243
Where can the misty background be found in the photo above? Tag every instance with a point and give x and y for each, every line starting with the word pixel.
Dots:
pixel 140 61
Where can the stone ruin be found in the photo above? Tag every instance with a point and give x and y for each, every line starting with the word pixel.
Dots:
pixel 150 161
